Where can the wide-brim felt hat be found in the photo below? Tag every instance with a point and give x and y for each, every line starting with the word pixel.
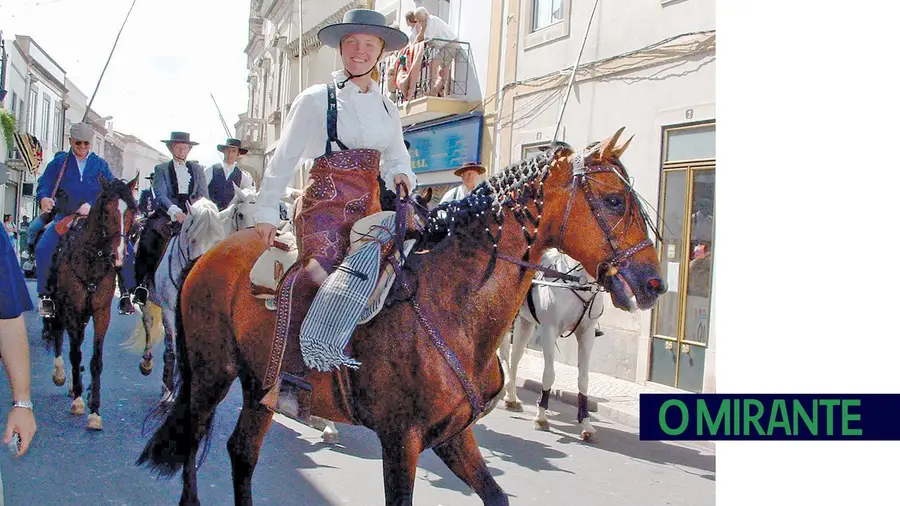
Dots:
pixel 363 21
pixel 232 143
pixel 183 137
pixel 470 166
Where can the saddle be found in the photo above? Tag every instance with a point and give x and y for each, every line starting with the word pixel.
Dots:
pixel 270 268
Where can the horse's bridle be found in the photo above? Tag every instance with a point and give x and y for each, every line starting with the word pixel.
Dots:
pixel 580 176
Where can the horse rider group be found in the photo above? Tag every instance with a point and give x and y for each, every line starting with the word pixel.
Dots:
pixel 347 127
pixel 70 185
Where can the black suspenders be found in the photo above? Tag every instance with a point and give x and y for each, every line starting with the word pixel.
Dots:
pixel 331 120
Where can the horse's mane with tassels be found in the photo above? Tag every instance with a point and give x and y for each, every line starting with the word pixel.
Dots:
pixel 512 187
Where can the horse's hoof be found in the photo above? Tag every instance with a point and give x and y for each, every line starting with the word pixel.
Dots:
pixel 588 436
pixel 95 422
pixel 166 397
pixel 59 373
pixel 514 406
pixel 330 438
pixel 146 367
pixel 78 406
pixel 542 425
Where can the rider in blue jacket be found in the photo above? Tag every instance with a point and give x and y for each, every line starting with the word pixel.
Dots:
pixel 77 192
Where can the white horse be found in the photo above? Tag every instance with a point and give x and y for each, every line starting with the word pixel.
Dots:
pixel 568 308
pixel 202 229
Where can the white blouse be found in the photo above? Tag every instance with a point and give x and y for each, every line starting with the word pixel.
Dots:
pixel 363 123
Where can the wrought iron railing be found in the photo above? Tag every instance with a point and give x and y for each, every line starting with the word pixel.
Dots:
pixel 440 68
pixel 251 131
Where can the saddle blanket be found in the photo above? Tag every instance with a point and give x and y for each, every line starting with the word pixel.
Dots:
pixel 353 294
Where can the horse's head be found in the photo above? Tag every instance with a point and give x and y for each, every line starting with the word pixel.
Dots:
pixel 202 229
pixel 115 208
pixel 241 212
pixel 592 213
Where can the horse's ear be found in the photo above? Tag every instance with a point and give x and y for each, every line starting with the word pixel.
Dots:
pixel 237 189
pixel 609 149
pixel 621 149
pixel 133 184
pixel 104 184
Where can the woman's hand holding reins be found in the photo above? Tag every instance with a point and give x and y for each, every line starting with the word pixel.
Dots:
pixel 267 233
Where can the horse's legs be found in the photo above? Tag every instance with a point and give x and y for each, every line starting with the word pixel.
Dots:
pixel 522 332
pixel 54 330
pixel 101 325
pixel 76 337
pixel 205 392
pixel 147 358
pixel 586 336
pixel 399 456
pixel 168 377
pixel 462 456
pixel 330 433
pixel 547 334
pixel 246 441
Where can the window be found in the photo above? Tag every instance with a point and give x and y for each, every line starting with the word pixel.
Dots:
pixel 32 112
pixel 45 120
pixel 12 106
pixel 533 149
pixel 57 122
pixel 545 13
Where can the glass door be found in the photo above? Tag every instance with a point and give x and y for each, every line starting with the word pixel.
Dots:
pixel 681 319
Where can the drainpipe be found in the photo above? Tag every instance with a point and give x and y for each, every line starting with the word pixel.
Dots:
pixel 501 83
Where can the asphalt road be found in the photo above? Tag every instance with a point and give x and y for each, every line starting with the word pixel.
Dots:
pixel 69 465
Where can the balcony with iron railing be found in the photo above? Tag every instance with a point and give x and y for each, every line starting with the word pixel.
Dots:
pixel 251 132
pixel 430 80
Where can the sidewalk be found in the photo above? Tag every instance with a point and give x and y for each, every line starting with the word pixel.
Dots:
pixel 608 397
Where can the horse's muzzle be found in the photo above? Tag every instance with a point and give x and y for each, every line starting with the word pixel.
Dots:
pixel 635 286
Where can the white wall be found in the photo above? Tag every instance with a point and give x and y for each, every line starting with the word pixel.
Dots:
pixel 16 81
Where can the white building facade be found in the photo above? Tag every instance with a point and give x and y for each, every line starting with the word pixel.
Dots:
pixel 647 65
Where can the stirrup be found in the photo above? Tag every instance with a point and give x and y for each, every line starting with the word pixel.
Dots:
pixel 46 307
pixel 125 305
pixel 140 295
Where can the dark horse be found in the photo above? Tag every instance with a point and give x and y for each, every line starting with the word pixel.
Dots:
pixel 430 367
pixel 85 283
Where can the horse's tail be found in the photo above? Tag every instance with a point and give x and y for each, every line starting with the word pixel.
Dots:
pixel 137 342
pixel 169 448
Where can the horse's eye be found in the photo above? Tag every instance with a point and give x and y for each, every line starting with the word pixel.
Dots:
pixel 614 202
pixel 240 216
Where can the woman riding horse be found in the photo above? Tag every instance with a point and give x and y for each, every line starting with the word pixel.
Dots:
pixel 343 184
pixel 175 184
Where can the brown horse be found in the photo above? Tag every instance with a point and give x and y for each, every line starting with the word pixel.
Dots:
pixel 429 362
pixel 85 284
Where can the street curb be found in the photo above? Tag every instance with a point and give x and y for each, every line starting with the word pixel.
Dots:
pixel 609 411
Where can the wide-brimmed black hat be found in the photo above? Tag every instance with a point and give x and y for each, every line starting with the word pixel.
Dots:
pixel 179 137
pixel 363 21
pixel 232 143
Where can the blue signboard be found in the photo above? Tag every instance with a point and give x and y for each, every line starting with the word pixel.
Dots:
pixel 445 145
